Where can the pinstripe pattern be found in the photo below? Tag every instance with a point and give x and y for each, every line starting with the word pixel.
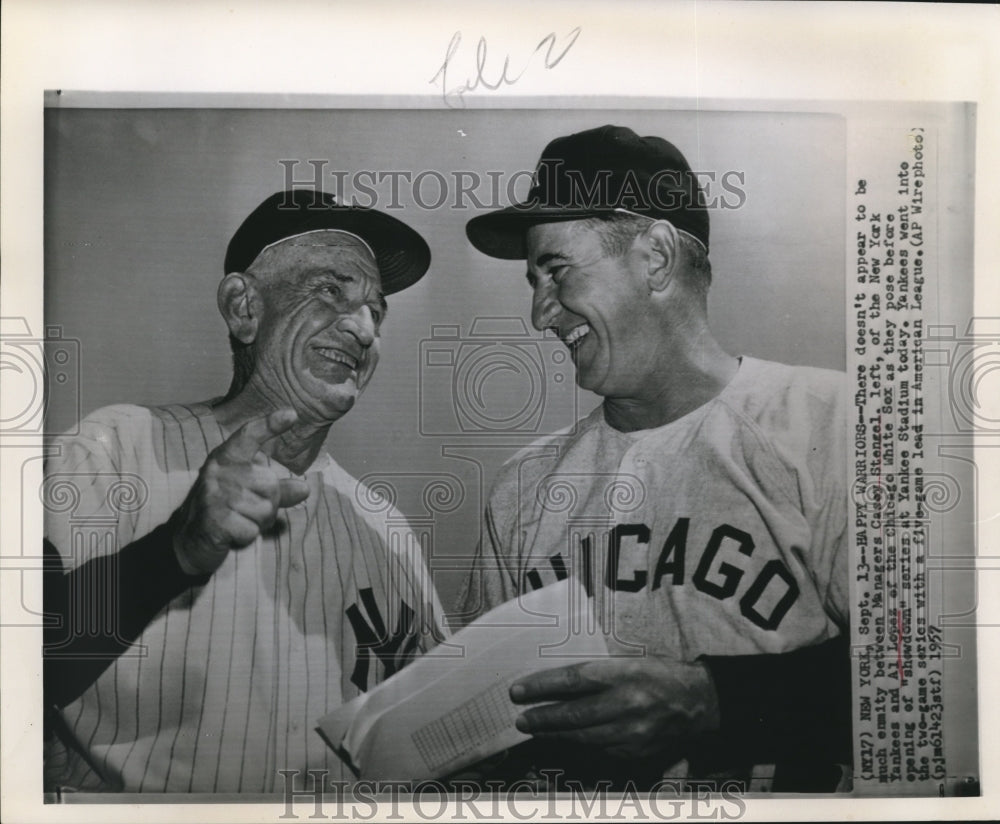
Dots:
pixel 237 672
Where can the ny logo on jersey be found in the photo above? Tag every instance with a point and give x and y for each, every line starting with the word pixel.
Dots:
pixel 373 640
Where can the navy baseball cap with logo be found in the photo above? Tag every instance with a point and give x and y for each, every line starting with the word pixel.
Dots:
pixel 401 254
pixel 598 172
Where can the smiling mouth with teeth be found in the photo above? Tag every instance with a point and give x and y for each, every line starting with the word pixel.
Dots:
pixel 572 340
pixel 337 356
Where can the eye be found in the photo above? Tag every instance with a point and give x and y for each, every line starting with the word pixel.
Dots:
pixel 557 273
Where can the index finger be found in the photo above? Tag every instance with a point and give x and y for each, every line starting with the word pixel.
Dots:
pixel 246 442
pixel 586 712
pixel 553 684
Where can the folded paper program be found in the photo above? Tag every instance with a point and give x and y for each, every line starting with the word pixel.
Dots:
pixel 450 708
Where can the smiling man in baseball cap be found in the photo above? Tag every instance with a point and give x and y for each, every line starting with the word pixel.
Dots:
pixel 252 591
pixel 722 583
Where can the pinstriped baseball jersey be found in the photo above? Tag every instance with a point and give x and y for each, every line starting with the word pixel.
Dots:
pixel 225 686
pixel 721 533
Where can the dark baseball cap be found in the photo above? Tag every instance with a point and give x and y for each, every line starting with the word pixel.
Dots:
pixel 597 172
pixel 401 253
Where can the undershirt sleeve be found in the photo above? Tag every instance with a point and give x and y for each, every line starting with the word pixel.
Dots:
pixel 784 707
pixel 97 610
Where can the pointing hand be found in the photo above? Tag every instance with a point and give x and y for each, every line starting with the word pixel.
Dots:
pixel 236 497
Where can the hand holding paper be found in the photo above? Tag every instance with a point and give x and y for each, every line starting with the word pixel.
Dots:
pixel 452 708
pixel 630 707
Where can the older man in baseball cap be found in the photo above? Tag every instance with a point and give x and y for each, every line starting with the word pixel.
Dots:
pixel 721 578
pixel 246 589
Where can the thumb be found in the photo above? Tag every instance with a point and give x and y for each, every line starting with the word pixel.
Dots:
pixel 292 491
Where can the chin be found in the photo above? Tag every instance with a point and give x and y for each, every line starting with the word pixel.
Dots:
pixel 341 404
pixel 329 402
pixel 585 379
pixel 591 382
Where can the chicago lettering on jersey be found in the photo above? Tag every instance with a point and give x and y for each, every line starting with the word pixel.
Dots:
pixel 373 640
pixel 717 572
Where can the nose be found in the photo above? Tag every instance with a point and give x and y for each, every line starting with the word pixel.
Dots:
pixel 363 325
pixel 544 306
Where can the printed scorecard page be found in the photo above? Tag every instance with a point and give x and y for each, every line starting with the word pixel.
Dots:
pixel 451 708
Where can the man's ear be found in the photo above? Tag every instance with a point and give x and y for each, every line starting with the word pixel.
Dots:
pixel 239 304
pixel 664 254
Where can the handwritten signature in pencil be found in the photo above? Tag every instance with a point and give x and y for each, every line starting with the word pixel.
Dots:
pixel 553 53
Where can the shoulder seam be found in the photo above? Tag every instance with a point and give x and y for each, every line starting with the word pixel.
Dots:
pixel 778 471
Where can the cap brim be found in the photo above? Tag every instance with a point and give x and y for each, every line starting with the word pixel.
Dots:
pixel 501 234
pixel 402 255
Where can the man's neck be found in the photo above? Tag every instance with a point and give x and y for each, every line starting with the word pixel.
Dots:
pixel 689 378
pixel 296 449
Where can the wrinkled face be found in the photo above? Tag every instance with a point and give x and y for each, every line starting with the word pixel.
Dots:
pixel 318 338
pixel 598 305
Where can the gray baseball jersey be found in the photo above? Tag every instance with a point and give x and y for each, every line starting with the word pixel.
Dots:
pixel 721 533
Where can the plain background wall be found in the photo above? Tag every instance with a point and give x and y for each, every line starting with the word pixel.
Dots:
pixel 140 204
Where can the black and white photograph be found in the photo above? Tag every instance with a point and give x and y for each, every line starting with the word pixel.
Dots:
pixel 591 455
